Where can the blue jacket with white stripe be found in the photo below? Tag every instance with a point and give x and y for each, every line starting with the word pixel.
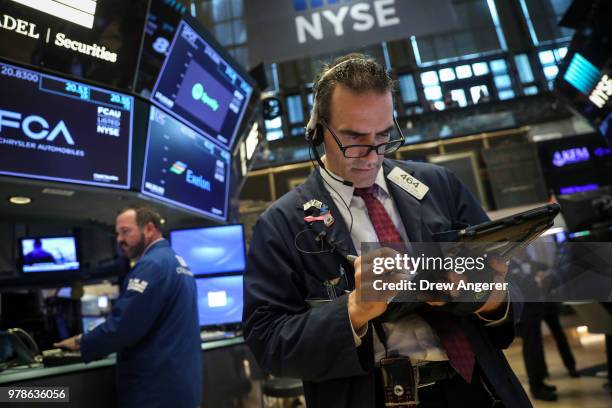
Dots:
pixel 154 329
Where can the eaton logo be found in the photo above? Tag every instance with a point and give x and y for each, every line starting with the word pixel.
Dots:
pixel 581 74
pixel 178 167
pixel 302 5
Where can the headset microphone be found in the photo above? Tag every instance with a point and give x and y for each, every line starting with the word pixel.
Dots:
pixel 314 137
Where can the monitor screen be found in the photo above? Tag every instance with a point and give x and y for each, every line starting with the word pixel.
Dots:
pixel 61 130
pixel 184 168
pixel 202 87
pixel 90 323
pixel 585 74
pixel 574 164
pixel 96 40
pixel 52 254
pixel 219 300
pixel 162 22
pixel 211 250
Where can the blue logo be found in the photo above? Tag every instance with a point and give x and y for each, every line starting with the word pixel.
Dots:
pixel 571 156
pixel 302 5
pixel 581 74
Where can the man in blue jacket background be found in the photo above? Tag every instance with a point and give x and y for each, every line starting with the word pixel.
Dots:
pixel 153 326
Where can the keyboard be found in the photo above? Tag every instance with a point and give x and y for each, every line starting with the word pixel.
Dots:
pixel 216 335
pixel 59 357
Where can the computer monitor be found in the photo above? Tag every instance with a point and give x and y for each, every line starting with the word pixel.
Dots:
pixel 61 130
pixel 220 301
pixel 48 254
pixel 184 168
pixel 211 250
pixel 91 322
pixel 203 86
pixel 585 74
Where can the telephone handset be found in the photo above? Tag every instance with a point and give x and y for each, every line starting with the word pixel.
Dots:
pixel 25 349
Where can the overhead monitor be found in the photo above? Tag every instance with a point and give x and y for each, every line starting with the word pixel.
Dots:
pixel 48 254
pixel 203 86
pixel 61 130
pixel 162 21
pixel 96 40
pixel 220 300
pixel 184 168
pixel 585 75
pixel 211 250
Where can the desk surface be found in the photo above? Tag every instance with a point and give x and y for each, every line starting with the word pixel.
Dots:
pixel 28 373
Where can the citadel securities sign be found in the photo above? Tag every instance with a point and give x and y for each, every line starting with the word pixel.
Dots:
pixel 89 39
pixel 281 30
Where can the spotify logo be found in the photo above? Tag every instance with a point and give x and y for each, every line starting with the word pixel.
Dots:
pixel 199 94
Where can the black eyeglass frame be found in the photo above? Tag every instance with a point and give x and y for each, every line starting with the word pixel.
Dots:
pixel 375 148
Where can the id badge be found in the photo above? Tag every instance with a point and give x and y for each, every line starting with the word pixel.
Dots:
pixel 399 382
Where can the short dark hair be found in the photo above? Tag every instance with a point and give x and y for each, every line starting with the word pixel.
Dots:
pixel 358 72
pixel 144 214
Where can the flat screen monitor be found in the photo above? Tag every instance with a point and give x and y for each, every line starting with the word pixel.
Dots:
pixel 585 75
pixel 211 250
pixel 95 40
pixel 90 323
pixel 203 86
pixel 61 130
pixel 184 168
pixel 219 300
pixel 49 254
pixel 162 21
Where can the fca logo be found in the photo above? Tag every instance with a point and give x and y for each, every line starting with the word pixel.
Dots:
pixel 34 126
pixel 301 5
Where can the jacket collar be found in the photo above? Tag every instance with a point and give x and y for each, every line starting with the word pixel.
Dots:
pixel 338 234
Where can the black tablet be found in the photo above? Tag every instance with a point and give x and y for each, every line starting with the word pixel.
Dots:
pixel 506 236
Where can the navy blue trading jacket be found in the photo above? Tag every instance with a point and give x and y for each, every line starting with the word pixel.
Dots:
pixel 154 329
pixel 291 339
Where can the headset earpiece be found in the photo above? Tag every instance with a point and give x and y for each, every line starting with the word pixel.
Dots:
pixel 317 136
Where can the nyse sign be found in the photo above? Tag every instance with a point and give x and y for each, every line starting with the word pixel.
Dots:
pixel 281 30
pixel 358 17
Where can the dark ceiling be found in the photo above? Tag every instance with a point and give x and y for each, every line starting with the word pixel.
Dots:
pixel 86 206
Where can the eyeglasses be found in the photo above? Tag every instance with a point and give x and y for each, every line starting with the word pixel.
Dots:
pixel 362 150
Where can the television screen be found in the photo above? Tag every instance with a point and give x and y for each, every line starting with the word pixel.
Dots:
pixel 61 130
pixel 576 164
pixel 211 250
pixel 97 40
pixel 585 75
pixel 90 323
pixel 219 300
pixel 52 254
pixel 162 21
pixel 202 86
pixel 184 168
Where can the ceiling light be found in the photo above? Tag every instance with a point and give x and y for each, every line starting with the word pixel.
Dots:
pixel 20 200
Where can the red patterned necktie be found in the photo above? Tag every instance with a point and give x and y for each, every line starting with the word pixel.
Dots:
pixel 385 230
pixel 447 328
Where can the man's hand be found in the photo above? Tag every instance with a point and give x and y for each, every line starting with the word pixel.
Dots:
pixel 497 297
pixel 361 312
pixel 72 343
